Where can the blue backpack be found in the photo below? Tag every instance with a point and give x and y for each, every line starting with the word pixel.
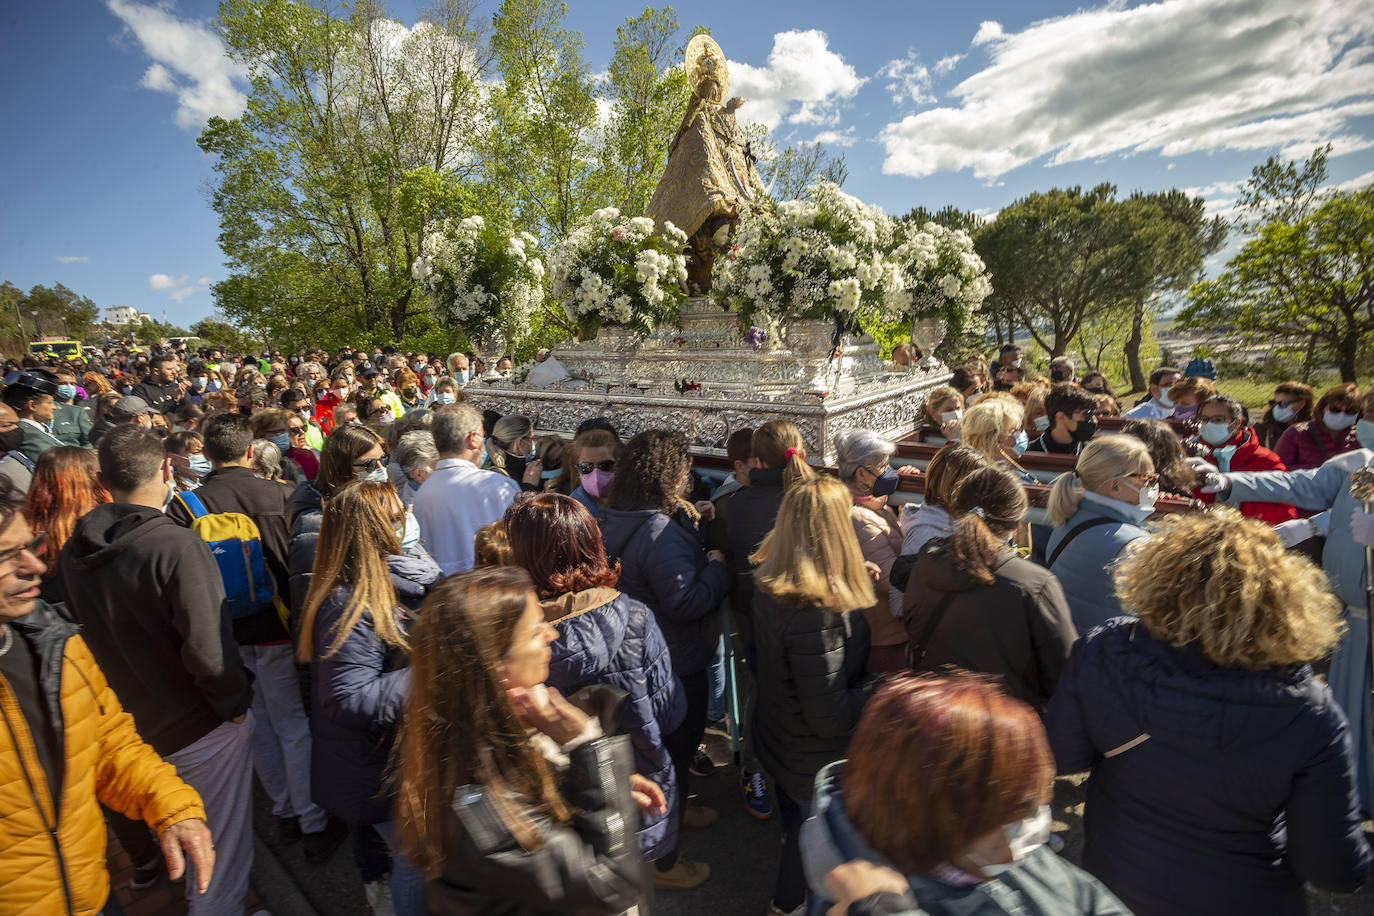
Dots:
pixel 236 544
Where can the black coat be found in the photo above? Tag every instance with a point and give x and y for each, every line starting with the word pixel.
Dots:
pixel 305 514
pixel 1213 790
pixel 811 688
pixel 162 398
pixel 753 511
pixel 663 564
pixel 589 867
pixel 1017 628
pixel 149 599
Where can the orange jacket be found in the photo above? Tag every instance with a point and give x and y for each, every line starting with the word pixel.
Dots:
pixel 53 862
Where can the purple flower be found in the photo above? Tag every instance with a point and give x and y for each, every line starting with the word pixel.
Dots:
pixel 756 337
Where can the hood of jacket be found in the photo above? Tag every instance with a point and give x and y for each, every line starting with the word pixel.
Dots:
pixel 587 643
pixel 619 527
pixel 413 573
pixel 305 499
pixel 106 531
pixel 1178 695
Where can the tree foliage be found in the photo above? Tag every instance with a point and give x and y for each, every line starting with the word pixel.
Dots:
pixel 1310 280
pixel 46 311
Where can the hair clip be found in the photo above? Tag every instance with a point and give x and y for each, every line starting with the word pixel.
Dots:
pixel 978 511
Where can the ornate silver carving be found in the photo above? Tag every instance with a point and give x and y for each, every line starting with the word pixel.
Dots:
pixel 632 383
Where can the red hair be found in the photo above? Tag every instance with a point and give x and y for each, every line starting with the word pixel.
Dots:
pixel 937 762
pixel 556 539
pixel 64 488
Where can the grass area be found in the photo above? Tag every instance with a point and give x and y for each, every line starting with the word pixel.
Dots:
pixel 1253 394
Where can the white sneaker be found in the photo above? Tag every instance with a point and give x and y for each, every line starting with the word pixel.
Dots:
pixel 379 897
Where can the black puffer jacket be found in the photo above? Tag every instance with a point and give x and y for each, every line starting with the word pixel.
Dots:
pixel 1213 790
pixel 591 867
pixel 305 513
pixel 663 564
pixel 753 511
pixel 1018 628
pixel 812 686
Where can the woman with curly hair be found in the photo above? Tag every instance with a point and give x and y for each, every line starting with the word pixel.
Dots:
pixel 1222 773
pixel 652 529
pixel 66 485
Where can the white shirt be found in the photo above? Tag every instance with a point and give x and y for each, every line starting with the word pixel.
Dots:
pixel 1150 410
pixel 455 502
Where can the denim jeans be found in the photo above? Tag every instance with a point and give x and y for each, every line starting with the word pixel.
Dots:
pixel 407 883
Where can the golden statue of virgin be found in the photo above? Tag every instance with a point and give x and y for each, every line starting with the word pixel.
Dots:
pixel 710 167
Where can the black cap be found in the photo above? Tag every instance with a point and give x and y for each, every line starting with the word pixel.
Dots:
pixel 369 371
pixel 39 380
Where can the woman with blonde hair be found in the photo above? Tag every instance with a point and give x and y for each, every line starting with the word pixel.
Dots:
pixel 995 427
pixel 363 592
pixel 1222 776
pixel 513 799
pixel 1037 419
pixel 811 590
pixel 940 415
pixel 973 602
pixel 1097 511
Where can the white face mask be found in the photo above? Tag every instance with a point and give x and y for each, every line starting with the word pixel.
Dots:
pixel 950 416
pixel 1338 420
pixel 1164 399
pixel 1023 837
pixel 1215 433
pixel 1283 414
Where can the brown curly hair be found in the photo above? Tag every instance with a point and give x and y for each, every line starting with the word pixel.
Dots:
pixel 1225 584
pixel 650 472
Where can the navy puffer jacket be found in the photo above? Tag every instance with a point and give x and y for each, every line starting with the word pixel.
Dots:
pixel 1213 790
pixel 663 564
pixel 358 696
pixel 607 637
pixel 304 514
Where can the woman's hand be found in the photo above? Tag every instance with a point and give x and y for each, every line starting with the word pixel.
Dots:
pixel 856 880
pixel 875 572
pixel 647 795
pixel 950 430
pixel 532 471
pixel 544 709
pixel 706 509
pixel 909 470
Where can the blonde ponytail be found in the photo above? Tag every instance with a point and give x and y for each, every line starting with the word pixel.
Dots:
pixel 1064 498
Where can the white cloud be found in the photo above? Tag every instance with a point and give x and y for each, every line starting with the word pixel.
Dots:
pixel 1357 183
pixel 945 65
pixel 189 62
pixel 74 259
pixel 1176 76
pixel 804 82
pixel 908 80
pixel 836 137
pixel 178 288
pixel 989 31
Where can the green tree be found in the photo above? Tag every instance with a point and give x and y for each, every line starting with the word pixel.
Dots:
pixel 1310 279
pixel 647 91
pixel 52 311
pixel 539 148
pixel 216 333
pixel 788 173
pixel 150 331
pixel 341 108
pixel 1058 259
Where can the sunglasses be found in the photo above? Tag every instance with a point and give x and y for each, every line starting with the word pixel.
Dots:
pixel 296 430
pixel 373 463
pixel 1150 479
pixel 32 547
pixel 1275 402
pixel 586 467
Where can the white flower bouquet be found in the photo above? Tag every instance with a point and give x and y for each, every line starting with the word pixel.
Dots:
pixel 616 271
pixel 935 273
pixel 483 277
pixel 821 257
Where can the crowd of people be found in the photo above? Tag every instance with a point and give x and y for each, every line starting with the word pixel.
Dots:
pixel 486 659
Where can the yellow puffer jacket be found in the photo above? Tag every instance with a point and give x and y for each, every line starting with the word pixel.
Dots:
pixel 53 862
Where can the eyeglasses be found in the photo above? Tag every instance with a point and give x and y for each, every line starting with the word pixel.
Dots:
pixel 32 547
pixel 1275 402
pixel 1150 479
pixel 372 464
pixel 586 467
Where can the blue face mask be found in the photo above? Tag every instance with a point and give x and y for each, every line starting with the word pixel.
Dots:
pixel 376 476
pixel 885 484
pixel 1042 423
pixel 66 392
pixel 199 464
pixel 1364 433
pixel 199 382
pixel 551 475
pixel 1215 433
pixel 282 441
pixel 408 534
pixel 1022 442
pixel 445 397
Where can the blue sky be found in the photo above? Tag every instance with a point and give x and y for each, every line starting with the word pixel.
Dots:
pixel 933 103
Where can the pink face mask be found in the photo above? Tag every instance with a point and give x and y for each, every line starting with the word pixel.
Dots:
pixel 597 483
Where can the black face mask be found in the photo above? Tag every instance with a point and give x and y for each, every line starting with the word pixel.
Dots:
pixel 1084 431
pixel 1058 375
pixel 11 439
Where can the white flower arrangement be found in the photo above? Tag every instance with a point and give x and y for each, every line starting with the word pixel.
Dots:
pixel 935 273
pixel 611 270
pixel 485 278
pixel 820 257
